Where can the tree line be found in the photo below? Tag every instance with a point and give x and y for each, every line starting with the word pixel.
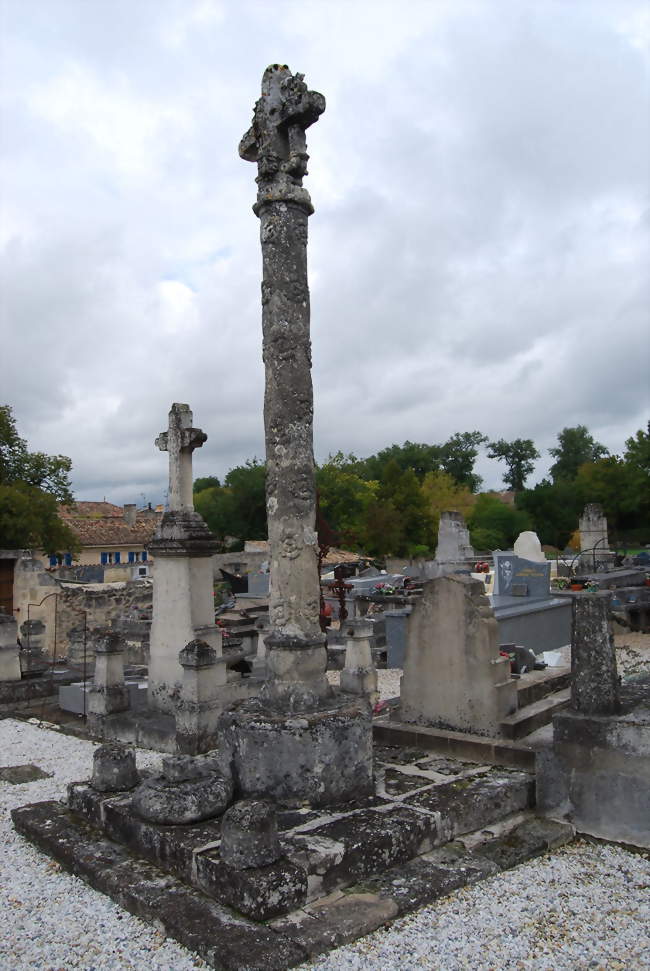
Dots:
pixel 386 504
pixel 390 502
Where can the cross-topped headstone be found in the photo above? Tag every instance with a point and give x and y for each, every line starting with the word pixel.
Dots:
pixel 276 139
pixel 180 441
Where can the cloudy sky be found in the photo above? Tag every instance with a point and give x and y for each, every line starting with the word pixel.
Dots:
pixel 478 255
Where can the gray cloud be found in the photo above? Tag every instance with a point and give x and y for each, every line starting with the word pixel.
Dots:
pixel 478 255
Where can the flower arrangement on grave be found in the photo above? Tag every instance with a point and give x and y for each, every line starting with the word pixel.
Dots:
pixel 592 587
pixel 481 567
pixel 560 582
pixel 384 589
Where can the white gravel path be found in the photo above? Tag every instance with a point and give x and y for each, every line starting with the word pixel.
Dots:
pixel 587 906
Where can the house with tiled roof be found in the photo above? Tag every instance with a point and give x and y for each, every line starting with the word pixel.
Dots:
pixel 108 535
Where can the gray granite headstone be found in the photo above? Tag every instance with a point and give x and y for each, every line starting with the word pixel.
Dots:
pixel 512 572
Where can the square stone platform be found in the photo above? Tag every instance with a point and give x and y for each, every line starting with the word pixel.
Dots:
pixel 434 824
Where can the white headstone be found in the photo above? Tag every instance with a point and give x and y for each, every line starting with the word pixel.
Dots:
pixel 528 546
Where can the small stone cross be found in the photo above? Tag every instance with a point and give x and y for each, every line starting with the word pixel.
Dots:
pixel 276 139
pixel 180 441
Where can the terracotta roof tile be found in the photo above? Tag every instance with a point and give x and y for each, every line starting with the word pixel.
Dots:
pixel 111 531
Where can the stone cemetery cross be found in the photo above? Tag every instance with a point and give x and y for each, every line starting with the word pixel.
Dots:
pixel 180 441
pixel 276 141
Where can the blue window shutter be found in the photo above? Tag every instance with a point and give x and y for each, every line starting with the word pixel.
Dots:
pixel 118 556
pixel 54 560
pixel 144 556
pixel 104 558
pixel 68 559
pixel 131 556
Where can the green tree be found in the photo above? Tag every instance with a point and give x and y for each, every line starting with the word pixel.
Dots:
pixel 637 451
pixel 208 482
pixel 615 485
pixel 576 446
pixel 418 457
pixel 31 486
pixel 458 455
pixel 519 456
pixel 344 498
pixel 444 493
pixel 400 490
pixel 554 509
pixel 51 473
pixel 494 524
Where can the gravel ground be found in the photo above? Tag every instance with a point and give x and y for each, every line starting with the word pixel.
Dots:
pixel 586 906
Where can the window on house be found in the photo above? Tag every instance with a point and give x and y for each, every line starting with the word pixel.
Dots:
pixel 54 560
pixel 67 559
pixel 144 556
pixel 106 558
pixel 118 557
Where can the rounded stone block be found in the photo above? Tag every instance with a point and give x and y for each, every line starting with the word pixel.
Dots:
pixel 249 835
pixel 322 757
pixel 182 793
pixel 114 768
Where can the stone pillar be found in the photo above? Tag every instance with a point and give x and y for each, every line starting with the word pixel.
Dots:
pixel 76 637
pixel 595 685
pixel 593 528
pixel 114 768
pixel 202 699
pixel 259 667
pixel 359 675
pixel 9 650
pixel 108 694
pixel 183 599
pixel 297 657
pixel 299 741
pixel 453 538
pixel 32 639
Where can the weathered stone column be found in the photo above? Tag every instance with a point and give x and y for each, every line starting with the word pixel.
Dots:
pixel 299 741
pixel 594 688
pixel 276 141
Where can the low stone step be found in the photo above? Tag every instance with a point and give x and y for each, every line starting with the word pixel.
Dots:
pixel 229 942
pixel 460 745
pixel 225 940
pixel 343 917
pixel 534 716
pixel 535 685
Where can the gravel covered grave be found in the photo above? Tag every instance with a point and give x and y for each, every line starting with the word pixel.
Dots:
pixel 586 906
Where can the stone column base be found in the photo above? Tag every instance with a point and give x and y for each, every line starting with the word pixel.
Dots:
pixel 321 757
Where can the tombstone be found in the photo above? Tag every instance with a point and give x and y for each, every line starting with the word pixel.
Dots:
pixel 300 740
pixel 453 539
pixel 359 675
pixel 593 529
pixel 9 649
pixel 396 632
pixel 454 677
pixel 526 611
pixel 109 693
pixel 528 547
pixel 183 546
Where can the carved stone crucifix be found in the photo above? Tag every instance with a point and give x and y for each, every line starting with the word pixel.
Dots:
pixel 180 441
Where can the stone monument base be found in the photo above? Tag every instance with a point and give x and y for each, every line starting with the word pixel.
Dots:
pixel 321 757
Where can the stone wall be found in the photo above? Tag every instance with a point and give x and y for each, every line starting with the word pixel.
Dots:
pixel 104 604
